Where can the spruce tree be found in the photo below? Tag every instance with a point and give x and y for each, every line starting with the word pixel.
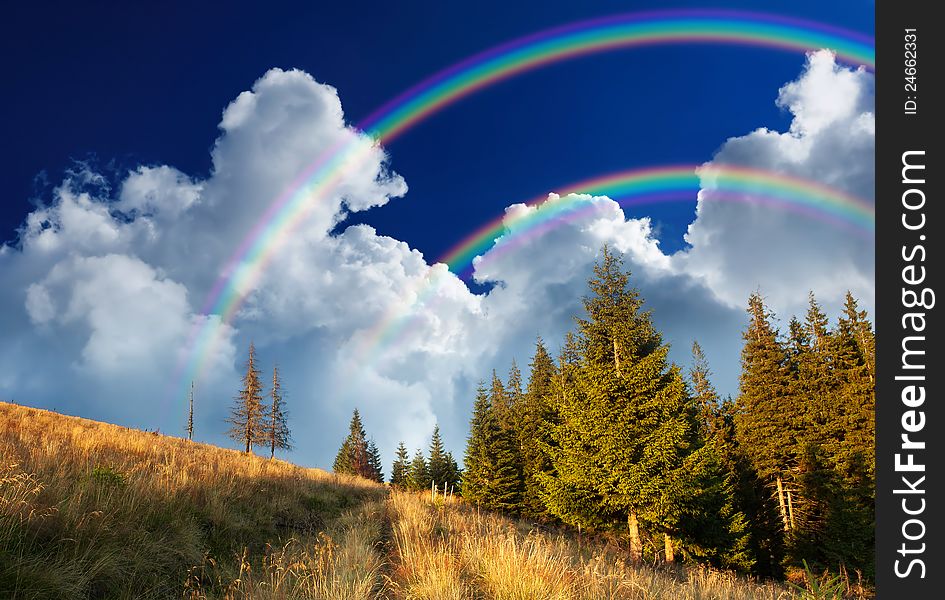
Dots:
pixel 276 426
pixel 438 462
pixel 853 358
pixel 492 477
pixel 750 539
pixel 769 422
pixel 190 415
pixel 506 484
pixel 838 477
pixel 354 455
pixel 247 415
pixel 537 417
pixel 418 477
pixel 375 468
pixel 454 474
pixel 626 448
pixel 398 471
pixel 478 461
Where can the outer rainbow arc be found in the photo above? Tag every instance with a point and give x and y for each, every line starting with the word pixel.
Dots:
pixel 285 214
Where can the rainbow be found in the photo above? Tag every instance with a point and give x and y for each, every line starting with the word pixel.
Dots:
pixel 638 187
pixel 634 187
pixel 241 271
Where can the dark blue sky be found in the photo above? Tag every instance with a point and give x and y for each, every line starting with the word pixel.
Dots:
pixel 122 84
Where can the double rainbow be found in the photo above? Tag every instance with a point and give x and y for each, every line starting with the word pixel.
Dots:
pixel 242 270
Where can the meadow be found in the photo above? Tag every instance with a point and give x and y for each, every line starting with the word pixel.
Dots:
pixel 93 510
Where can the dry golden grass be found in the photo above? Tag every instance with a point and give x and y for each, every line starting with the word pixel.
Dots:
pixel 448 550
pixel 91 510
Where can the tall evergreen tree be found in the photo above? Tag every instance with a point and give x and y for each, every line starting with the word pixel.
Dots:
pixel 478 462
pixel 836 474
pixel 276 426
pixel 628 438
pixel 514 395
pixel 398 471
pixel 190 415
pixel 536 419
pixel 438 462
pixel 853 358
pixel 768 419
pixel 418 477
pixel 454 475
pixel 247 415
pixel 504 447
pixel 375 468
pixel 354 455
pixel 750 539
pixel 491 477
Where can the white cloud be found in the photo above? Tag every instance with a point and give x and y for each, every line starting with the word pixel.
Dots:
pixel 738 247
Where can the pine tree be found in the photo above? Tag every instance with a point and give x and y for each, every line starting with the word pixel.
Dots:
pixel 354 455
pixel 375 468
pixel 247 415
pixel 537 417
pixel 454 475
pixel 626 447
pixel 750 540
pixel 704 392
pixel 276 426
pixel 837 475
pixel 853 358
pixel 438 463
pixel 506 484
pixel 768 420
pixel 190 415
pixel 478 461
pixel 418 478
pixel 513 394
pixel 398 471
pixel 491 476
pixel 812 384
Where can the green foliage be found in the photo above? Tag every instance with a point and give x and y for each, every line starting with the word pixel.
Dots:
pixel 612 438
pixel 627 447
pixel 492 477
pixel 805 417
pixel 375 468
pixel 108 476
pixel 418 477
pixel 536 419
pixel 276 426
pixel 442 467
pixel 817 588
pixel 357 456
pixel 398 471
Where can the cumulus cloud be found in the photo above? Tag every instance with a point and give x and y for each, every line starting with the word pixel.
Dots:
pixel 738 247
pixel 105 290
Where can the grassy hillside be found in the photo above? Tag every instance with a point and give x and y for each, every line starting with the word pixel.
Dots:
pixel 92 510
pixel 450 551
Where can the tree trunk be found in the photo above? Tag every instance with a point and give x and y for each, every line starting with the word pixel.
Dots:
pixel 636 546
pixel 668 545
pixel 616 357
pixel 784 516
pixel 790 507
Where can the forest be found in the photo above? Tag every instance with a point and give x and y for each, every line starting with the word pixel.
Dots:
pixel 611 437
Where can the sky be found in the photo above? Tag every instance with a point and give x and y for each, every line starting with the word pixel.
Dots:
pixel 143 143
